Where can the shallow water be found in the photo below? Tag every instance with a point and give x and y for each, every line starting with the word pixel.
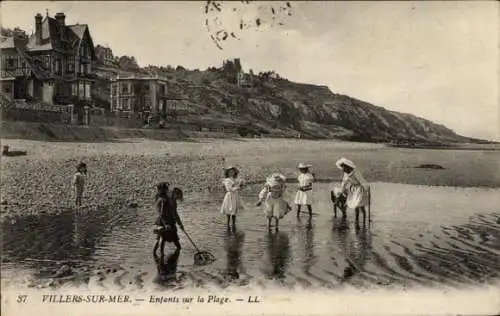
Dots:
pixel 419 236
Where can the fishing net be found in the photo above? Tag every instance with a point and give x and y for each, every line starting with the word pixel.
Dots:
pixel 203 258
pixel 200 257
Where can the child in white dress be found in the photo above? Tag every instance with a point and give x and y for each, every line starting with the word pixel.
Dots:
pixel 232 203
pixel 304 193
pixel 79 182
pixel 273 195
pixel 355 187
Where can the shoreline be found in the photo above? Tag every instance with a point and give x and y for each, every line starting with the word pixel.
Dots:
pixel 89 134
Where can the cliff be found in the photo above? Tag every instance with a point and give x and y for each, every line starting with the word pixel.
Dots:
pixel 267 103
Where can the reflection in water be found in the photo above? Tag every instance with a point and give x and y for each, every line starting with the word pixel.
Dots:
pixel 360 248
pixel 67 236
pixel 356 248
pixel 167 269
pixel 278 247
pixel 306 237
pixel 233 246
pixel 413 243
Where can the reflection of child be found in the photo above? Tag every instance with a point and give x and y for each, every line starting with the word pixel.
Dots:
pixel 79 182
pixel 272 195
pixel 232 203
pixel 354 186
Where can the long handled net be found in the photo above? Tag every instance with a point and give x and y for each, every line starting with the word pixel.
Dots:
pixel 201 257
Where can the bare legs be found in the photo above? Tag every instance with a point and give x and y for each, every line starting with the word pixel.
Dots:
pixel 309 209
pixel 357 211
pixel 276 222
pixel 231 219
pixel 161 244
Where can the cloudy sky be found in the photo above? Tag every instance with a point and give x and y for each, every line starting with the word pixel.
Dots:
pixel 438 60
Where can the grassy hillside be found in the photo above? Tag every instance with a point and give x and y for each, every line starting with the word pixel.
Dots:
pixel 280 106
pixel 273 105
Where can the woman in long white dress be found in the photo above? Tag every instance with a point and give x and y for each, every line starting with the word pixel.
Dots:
pixel 355 187
pixel 304 194
pixel 232 202
pixel 273 196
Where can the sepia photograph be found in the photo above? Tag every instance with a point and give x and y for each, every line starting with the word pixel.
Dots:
pixel 250 157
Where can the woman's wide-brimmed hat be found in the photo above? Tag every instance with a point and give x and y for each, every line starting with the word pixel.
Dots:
pixel 303 166
pixel 275 179
pixel 344 161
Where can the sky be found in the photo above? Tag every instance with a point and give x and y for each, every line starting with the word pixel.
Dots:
pixel 437 60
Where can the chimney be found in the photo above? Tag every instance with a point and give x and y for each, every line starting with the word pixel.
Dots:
pixel 38 28
pixel 60 18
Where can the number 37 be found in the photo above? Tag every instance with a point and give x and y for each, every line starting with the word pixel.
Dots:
pixel 22 298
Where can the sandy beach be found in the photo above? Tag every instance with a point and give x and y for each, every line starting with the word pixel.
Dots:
pixel 428 228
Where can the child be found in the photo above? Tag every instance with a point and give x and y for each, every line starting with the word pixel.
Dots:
pixel 232 203
pixel 272 193
pixel 355 187
pixel 304 193
pixel 167 219
pixel 79 182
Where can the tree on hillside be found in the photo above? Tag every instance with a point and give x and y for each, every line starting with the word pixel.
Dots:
pixel 16 32
pixel 128 63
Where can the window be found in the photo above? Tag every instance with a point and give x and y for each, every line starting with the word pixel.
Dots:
pixel 125 104
pixel 71 67
pixel 74 89
pixel 10 63
pixel 147 102
pixel 114 89
pixel 124 87
pixel 87 91
pixel 7 89
pixel 81 89
pixel 57 66
pixel 46 61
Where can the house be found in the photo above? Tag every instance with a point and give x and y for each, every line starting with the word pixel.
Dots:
pixel 105 66
pixel 104 55
pixel 138 93
pixel 55 65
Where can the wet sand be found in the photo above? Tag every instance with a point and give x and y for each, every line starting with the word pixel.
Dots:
pixel 420 235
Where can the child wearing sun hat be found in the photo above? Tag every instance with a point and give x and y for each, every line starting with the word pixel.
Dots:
pixel 273 196
pixel 232 203
pixel 304 194
pixel 354 186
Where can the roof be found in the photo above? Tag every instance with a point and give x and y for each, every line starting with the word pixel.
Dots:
pixel 57 36
pixel 78 29
pixel 7 42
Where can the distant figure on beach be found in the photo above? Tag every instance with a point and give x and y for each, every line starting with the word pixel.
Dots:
pixel 167 219
pixel 79 182
pixel 355 187
pixel 12 153
pixel 304 194
pixel 272 195
pixel 232 203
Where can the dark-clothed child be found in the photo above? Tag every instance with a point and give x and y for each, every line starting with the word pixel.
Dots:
pixel 167 220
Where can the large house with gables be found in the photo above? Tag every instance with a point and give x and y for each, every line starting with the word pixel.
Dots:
pixel 55 65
